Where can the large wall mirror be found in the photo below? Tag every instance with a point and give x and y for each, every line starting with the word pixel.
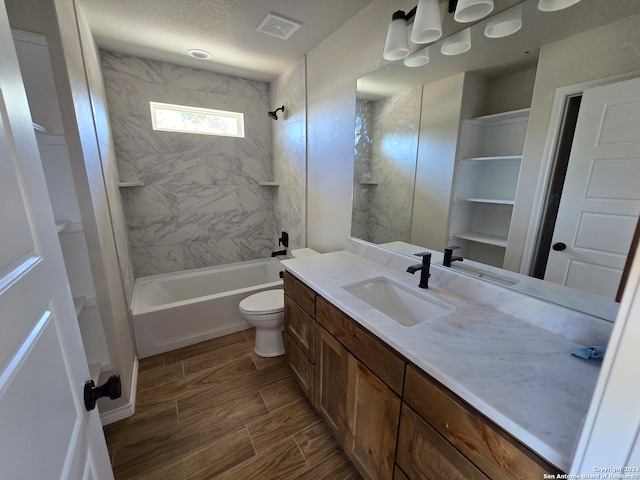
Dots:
pixel 475 150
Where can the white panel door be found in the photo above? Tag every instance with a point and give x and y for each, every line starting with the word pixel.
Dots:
pixel 45 431
pixel 600 204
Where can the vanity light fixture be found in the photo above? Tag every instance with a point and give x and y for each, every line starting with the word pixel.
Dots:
pixel 427 23
pixel 396 45
pixel 505 23
pixel 472 10
pixel 427 27
pixel 418 59
pixel 555 5
pixel 457 44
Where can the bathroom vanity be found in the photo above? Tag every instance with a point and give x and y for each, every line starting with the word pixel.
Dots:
pixel 470 393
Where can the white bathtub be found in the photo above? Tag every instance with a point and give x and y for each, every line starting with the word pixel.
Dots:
pixel 173 310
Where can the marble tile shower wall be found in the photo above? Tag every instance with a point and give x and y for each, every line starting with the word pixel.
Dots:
pixel 289 153
pixel 386 157
pixel 201 204
pixel 362 189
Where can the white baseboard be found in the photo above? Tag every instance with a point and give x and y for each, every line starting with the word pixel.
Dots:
pixel 127 410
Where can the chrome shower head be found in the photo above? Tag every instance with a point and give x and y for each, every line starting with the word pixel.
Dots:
pixel 274 114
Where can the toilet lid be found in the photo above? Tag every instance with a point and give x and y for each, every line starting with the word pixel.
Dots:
pixel 269 301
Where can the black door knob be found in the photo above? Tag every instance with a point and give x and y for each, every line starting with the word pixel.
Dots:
pixel 558 247
pixel 112 388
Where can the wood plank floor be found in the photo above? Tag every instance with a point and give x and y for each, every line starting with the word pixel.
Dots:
pixel 215 410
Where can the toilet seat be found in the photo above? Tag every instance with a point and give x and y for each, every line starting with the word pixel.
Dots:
pixel 264 303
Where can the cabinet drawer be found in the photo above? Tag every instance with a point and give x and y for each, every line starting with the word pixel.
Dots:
pixel 301 366
pixel 299 325
pixel 300 293
pixel 378 357
pixel 490 448
pixel 423 453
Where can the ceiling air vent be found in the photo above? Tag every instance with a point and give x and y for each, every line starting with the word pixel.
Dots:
pixel 277 26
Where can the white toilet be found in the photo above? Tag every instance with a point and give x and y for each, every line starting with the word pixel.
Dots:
pixel 265 311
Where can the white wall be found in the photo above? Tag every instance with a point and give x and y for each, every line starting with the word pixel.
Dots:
pixel 439 126
pixel 510 92
pixel 333 68
pixel 289 153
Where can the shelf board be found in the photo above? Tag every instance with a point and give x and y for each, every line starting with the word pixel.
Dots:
pixel 39 128
pixel 62 224
pixel 69 227
pixel 50 138
pixel 130 184
pixel 483 238
pixel 496 201
pixel 79 303
pixel 500 158
pixel 269 184
pixel 504 117
pixel 368 182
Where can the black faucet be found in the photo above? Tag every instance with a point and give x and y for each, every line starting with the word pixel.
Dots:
pixel 423 267
pixel 278 252
pixel 449 257
pixel 284 240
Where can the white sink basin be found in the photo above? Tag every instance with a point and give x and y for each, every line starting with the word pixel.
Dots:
pixel 396 301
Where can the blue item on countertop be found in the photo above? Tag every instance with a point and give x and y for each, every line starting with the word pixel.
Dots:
pixel 586 353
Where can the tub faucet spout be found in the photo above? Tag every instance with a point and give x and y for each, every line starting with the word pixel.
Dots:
pixel 424 268
pixel 278 252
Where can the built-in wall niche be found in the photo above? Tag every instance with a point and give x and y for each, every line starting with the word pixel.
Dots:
pixel 35 65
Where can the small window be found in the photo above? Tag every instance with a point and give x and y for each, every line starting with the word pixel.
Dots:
pixel 205 121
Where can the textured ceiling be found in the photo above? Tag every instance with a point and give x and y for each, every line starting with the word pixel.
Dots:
pixel 165 29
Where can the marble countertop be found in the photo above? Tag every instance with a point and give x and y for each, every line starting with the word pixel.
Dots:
pixel 588 303
pixel 519 375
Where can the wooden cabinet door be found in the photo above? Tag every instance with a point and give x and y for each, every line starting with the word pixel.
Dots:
pixel 372 414
pixel 491 449
pixel 424 454
pixel 331 381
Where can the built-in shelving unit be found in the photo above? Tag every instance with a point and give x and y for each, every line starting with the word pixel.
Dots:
pixel 486 178
pixel 35 64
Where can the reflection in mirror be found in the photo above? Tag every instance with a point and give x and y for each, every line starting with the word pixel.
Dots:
pixel 470 177
pixel 385 164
